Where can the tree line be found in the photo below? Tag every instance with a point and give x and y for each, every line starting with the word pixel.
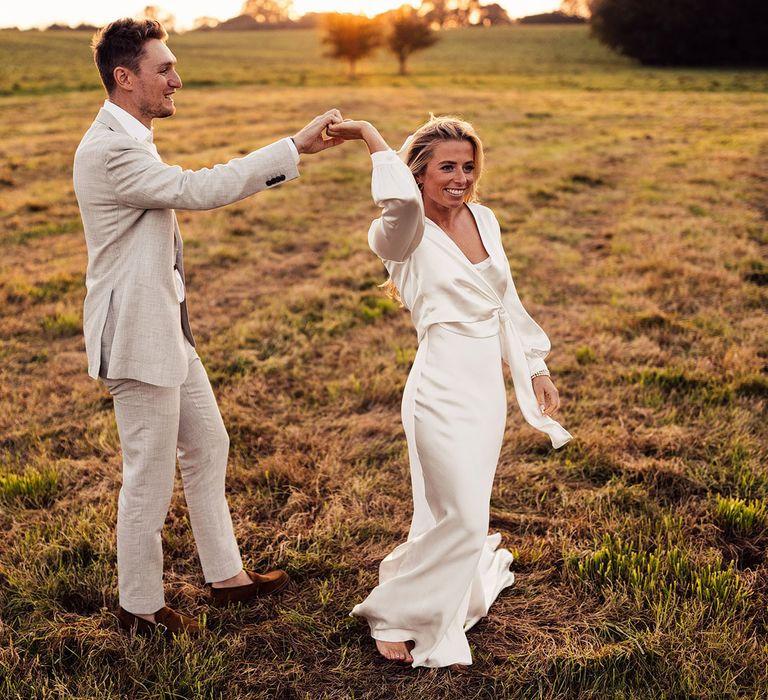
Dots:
pixel 684 32
pixel 654 32
pixel 438 14
pixel 403 31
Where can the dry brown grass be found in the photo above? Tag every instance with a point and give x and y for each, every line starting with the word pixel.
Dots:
pixel 635 223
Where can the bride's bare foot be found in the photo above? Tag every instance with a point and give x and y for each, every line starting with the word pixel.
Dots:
pixel 396 651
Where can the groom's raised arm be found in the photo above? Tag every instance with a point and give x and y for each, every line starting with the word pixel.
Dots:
pixel 142 181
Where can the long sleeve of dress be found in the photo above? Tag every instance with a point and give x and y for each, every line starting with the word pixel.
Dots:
pixel 399 230
pixel 535 341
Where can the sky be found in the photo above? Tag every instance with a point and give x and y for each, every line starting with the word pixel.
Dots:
pixel 39 13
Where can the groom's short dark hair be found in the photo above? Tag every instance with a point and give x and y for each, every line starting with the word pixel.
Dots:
pixel 121 43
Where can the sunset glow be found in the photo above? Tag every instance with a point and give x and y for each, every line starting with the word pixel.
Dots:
pixel 98 12
pixel 364 7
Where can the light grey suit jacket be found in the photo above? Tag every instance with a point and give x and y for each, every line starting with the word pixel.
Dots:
pixel 127 199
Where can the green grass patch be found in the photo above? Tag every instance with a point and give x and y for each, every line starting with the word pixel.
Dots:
pixel 660 385
pixel 733 470
pixel 373 308
pixel 755 386
pixel 658 578
pixel 53 228
pixel 64 324
pixel 63 564
pixel 585 355
pixel 232 370
pixel 756 272
pixel 35 488
pixel 56 287
pixel 223 255
pixel 740 517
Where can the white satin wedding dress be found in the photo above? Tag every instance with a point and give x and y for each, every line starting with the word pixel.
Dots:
pixel 444 578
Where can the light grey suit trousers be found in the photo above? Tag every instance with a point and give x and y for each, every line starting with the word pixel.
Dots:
pixel 153 421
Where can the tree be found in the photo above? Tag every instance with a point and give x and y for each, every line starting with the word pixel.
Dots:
pixel 268 11
pixel 157 13
pixel 351 37
pixel 556 17
pixel 435 12
pixel 205 23
pixel 447 14
pixel 685 32
pixel 408 33
pixel 575 8
pixel 494 14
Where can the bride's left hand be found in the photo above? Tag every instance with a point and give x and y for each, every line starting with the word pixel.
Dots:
pixel 547 395
pixel 349 129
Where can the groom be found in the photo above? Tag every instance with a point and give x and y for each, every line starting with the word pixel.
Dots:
pixel 137 333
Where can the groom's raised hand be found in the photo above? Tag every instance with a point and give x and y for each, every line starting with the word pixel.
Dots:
pixel 310 138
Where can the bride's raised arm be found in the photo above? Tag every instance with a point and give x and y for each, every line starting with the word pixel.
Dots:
pixel 398 232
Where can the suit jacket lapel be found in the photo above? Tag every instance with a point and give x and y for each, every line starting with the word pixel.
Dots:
pixel 110 121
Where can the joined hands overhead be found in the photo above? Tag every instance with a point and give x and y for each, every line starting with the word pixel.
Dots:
pixel 310 138
pixel 350 129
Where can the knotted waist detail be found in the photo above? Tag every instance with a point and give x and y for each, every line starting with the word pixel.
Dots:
pixel 485 328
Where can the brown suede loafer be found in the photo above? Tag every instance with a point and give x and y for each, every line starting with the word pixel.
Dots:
pixel 168 622
pixel 263 584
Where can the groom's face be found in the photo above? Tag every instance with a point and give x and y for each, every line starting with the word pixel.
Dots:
pixel 156 81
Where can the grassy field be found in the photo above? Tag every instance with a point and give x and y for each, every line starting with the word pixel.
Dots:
pixel 500 57
pixel 633 205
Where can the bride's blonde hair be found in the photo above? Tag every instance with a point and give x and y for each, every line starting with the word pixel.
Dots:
pixel 418 150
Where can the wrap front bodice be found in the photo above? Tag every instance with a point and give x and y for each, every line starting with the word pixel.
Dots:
pixel 438 284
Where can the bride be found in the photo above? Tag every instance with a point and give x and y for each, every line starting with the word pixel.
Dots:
pixel 445 260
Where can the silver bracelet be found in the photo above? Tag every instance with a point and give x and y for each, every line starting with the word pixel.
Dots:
pixel 540 373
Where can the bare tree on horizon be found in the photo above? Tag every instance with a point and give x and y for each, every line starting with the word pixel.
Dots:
pixel 351 37
pixel 268 11
pixel 408 33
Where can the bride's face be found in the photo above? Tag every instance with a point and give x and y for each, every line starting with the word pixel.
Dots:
pixel 449 174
